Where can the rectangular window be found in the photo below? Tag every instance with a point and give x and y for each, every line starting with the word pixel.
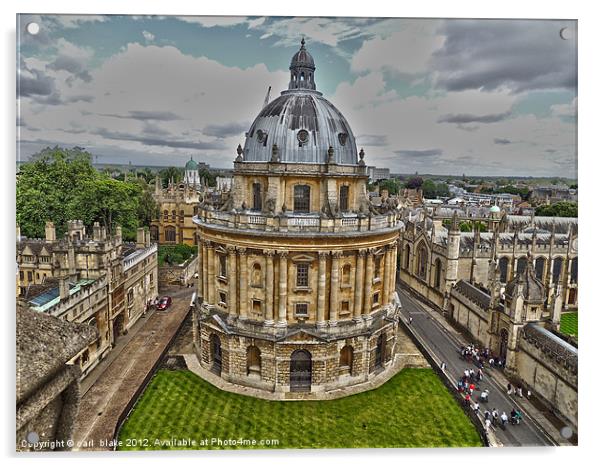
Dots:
pixel 29 276
pixel 303 275
pixel 377 262
pixel 376 298
pixel 256 306
pixel 301 310
pixel 345 307
pixel 344 198
pixel 256 196
pixel 301 198
pixel 223 266
pixel 223 299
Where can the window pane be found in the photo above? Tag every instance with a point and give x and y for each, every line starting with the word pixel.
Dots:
pixel 302 275
pixel 301 198
pixel 344 198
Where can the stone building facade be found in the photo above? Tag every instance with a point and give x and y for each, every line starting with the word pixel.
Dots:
pixel 177 205
pixel 518 329
pixel 435 254
pixel 93 278
pixel 296 267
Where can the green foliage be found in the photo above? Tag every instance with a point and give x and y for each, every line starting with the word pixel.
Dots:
pixel 392 185
pixel 414 183
pixel 524 192
pixel 432 190
pixel 61 184
pixel 175 254
pixel 413 409
pixel 166 174
pixel 468 226
pixel 559 209
pixel 209 177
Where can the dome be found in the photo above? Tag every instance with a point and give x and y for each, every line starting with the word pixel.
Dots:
pixel 301 123
pixel 303 58
pixel 191 165
pixel 494 209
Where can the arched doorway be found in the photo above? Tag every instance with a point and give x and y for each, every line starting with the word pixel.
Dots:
pixel 381 346
pixel 216 354
pixel 300 376
pixel 117 327
pixel 503 343
pixel 254 362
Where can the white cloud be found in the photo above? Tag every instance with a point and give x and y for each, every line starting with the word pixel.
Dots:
pixel 154 102
pixel 407 50
pixel 213 21
pixel 148 36
pixel 567 110
pixel 74 21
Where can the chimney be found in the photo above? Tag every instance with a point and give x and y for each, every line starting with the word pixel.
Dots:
pixel 96 231
pixel 50 232
pixel 64 287
pixel 140 238
pixel 147 238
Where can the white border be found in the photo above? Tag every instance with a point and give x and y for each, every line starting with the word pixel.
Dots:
pixel 589 180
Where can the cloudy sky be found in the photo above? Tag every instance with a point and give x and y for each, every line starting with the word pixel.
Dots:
pixel 488 97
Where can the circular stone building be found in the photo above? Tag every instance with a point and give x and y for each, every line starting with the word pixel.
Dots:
pixel 296 267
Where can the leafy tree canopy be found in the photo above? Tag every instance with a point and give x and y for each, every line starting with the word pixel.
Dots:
pixel 559 209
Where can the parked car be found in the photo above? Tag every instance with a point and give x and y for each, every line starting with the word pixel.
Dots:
pixel 164 303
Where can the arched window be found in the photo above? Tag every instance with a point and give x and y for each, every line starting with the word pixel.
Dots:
pixel 540 264
pixel 253 362
pixel 503 265
pixel 557 269
pixel 170 234
pixel 256 276
pixel 165 215
pixel 521 265
pixel 216 354
pixel 300 371
pixel 346 275
pixel 173 215
pixel 302 78
pixel 437 273
pixel 346 360
pixel 301 198
pixel 406 257
pixel 257 196
pixel 421 264
pixel 154 232
pixel 181 215
pixel 574 268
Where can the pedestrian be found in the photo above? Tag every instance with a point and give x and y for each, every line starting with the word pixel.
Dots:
pixel 467 400
pixel 443 366
pixel 519 390
pixel 528 394
pixel 476 408
pixel 487 424
pixel 487 414
pixel 494 416
pixel 491 362
pixel 509 389
pixel 471 388
pixel 410 320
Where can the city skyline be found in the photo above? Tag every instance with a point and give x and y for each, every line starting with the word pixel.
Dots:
pixel 489 97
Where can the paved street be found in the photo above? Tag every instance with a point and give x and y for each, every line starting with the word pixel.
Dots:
pixel 109 395
pixel 445 345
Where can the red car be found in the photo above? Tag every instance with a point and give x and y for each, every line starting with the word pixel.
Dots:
pixel 164 303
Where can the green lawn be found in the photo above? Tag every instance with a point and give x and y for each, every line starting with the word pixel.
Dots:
pixel 568 323
pixel 413 409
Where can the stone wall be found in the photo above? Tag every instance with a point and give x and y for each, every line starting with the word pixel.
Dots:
pixel 180 274
pixel 548 373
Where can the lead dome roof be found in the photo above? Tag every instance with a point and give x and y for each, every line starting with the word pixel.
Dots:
pixel 301 122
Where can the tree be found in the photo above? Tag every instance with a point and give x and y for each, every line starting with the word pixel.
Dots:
pixel 167 174
pixel 559 209
pixel 209 177
pixel 432 190
pixel 414 183
pixel 391 185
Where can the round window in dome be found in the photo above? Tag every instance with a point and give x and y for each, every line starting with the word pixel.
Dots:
pixel 302 136
pixel 343 138
pixel 260 135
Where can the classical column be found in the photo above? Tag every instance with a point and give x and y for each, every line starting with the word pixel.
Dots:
pixel 394 268
pixel 283 288
pixel 321 320
pixel 369 277
pixel 232 282
pixel 269 287
pixel 334 287
pixel 243 272
pixel 387 276
pixel 359 285
pixel 201 271
pixel 206 270
pixel 211 273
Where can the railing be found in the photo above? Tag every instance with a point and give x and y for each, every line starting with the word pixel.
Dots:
pixel 291 222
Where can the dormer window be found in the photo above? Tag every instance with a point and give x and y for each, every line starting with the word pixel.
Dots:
pixel 302 137
pixel 342 138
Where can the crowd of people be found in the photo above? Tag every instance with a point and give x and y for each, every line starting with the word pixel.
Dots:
pixel 481 356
